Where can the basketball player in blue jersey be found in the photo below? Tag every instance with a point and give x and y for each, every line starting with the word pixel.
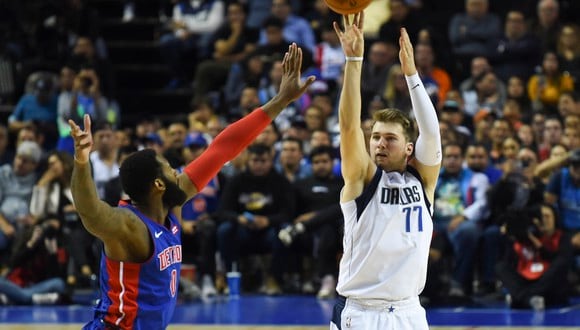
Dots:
pixel 142 254
pixel 386 199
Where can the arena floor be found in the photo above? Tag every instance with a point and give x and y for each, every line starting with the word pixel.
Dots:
pixel 291 313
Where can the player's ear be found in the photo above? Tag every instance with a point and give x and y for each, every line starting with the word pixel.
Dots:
pixel 159 184
pixel 410 148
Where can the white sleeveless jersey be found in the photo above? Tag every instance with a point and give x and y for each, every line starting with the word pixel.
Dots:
pixel 387 235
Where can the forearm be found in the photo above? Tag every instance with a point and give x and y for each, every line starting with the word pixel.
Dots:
pixel 85 197
pixel 349 111
pixel 428 146
pixel 229 143
pixel 225 47
pixel 38 200
pixel 328 215
pixel 545 168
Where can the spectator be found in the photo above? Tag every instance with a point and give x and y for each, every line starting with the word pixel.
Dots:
pixel 319 216
pixel 563 191
pixel 258 11
pixel 199 225
pixel 6 155
pixel 534 270
pixel 517 188
pixel 291 163
pixel 479 65
pixel 567 104
pixel 244 77
pixel 381 57
pixel 396 94
pixel 515 52
pixel 526 136
pixel 319 17
pixel 557 159
pixel 516 90
pixel 436 80
pixel 295 28
pixel 477 160
pixel 176 134
pixel 284 120
pixel 328 56
pixel 84 56
pixel 569 50
pixel 52 203
pixel 34 274
pixel 551 136
pixel 16 184
pixel 192 25
pixel 85 98
pixel 253 206
pixel 231 43
pixel 402 15
pixel 486 96
pixel 38 109
pixel 547 23
pixel 472 31
pixel 545 87
pixel 460 208
pixel 499 132
pixel 104 158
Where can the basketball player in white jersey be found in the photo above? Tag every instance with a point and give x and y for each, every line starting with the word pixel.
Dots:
pixel 386 199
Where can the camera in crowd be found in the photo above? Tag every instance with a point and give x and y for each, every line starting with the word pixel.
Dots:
pixel 574 158
pixel 519 223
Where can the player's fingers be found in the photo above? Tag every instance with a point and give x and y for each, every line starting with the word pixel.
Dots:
pixel 307 84
pixel 291 57
pixel 337 29
pixel 285 65
pixel 361 20
pixel 346 21
pixel 87 123
pixel 74 127
pixel 298 62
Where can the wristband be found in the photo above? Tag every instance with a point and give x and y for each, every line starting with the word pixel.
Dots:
pixel 354 58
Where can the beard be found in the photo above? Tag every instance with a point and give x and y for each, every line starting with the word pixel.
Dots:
pixel 173 196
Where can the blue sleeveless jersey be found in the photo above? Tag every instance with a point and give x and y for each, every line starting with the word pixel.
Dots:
pixel 141 295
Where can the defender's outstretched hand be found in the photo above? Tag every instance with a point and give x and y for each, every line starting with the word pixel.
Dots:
pixel 83 139
pixel 352 38
pixel 406 55
pixel 291 87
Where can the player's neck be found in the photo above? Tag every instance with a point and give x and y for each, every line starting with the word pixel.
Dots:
pixel 154 211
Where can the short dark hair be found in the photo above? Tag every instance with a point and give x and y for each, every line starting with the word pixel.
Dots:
pixel 321 150
pixel 259 149
pixel 138 172
pixel 272 21
pixel 295 140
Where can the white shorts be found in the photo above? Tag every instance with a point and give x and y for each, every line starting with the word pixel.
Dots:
pixel 355 314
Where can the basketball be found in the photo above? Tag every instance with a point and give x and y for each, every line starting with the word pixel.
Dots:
pixel 346 7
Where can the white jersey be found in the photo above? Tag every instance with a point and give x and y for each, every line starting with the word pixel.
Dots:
pixel 387 235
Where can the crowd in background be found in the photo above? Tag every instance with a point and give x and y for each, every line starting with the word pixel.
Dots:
pixel 501 74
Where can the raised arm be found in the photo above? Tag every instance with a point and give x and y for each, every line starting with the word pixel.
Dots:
pixel 428 157
pixel 118 228
pixel 237 136
pixel 356 162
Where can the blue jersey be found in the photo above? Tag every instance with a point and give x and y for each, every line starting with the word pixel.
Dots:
pixel 141 295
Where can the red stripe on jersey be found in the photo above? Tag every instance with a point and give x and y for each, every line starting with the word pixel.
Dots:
pixel 123 292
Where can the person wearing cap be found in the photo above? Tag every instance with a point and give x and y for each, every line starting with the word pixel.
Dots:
pixel 563 190
pixel 199 228
pixel 16 185
pixel 37 108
